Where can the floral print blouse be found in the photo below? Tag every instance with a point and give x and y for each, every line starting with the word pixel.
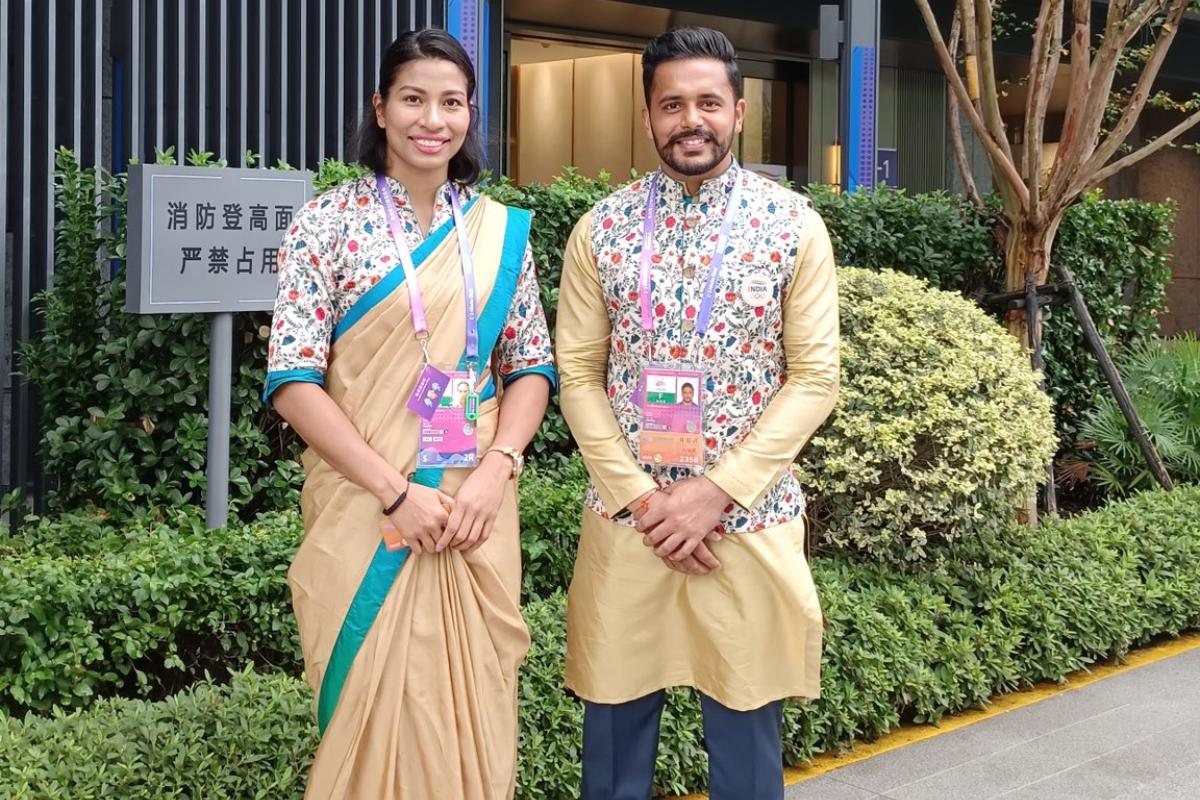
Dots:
pixel 742 354
pixel 338 247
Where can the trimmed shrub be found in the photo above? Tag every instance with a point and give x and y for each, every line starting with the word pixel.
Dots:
pixel 1003 613
pixel 94 610
pixel 938 237
pixel 252 738
pixel 940 429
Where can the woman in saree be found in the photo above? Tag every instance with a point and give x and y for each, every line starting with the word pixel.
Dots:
pixel 406 586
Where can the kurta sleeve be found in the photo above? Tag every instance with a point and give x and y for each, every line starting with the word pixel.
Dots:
pixel 810 341
pixel 524 347
pixel 303 320
pixel 583 331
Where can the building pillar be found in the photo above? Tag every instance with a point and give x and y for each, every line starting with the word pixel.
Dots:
pixel 858 116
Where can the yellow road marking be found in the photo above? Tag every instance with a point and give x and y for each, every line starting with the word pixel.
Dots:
pixel 905 735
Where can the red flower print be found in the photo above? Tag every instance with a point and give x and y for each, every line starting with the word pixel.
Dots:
pixel 710 351
pixel 720 326
pixel 608 223
pixel 730 297
pixel 746 347
pixel 374 279
pixel 279 325
pixel 510 333
pixel 690 312
pixel 705 260
pixel 620 346
pixel 755 222
pixel 660 310
pixel 769 347
pixel 319 314
pixel 536 341
pixel 711 443
pixel 362 202
pixel 316 262
pixel 656 258
pixel 293 295
pixel 307 352
pixel 729 508
pixel 633 297
pixel 612 390
pixel 677 351
pixel 776 256
pixel 350 285
pixel 757 398
pixel 731 389
pixel 616 258
pixel 747 257
pixel 294 229
pixel 352 246
pixel 721 419
pixel 669 222
pixel 759 311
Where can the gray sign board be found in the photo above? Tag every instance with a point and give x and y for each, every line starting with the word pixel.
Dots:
pixel 207 239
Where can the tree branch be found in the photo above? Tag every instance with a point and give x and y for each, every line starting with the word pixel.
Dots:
pixel 1047 44
pixel 1069 150
pixel 1141 91
pixel 1003 164
pixel 990 99
pixel 952 112
pixel 1146 151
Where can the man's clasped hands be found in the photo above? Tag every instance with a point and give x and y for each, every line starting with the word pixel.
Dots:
pixel 681 521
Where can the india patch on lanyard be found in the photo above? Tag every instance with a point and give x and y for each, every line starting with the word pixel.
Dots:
pixel 672 405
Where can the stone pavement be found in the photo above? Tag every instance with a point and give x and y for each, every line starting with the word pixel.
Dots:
pixel 1134 736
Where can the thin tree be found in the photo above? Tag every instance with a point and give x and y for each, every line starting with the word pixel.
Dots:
pixel 1098 119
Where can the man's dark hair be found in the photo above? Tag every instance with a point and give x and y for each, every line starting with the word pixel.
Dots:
pixel 680 43
pixel 370 141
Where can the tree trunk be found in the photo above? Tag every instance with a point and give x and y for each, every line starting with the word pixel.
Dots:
pixel 1027 253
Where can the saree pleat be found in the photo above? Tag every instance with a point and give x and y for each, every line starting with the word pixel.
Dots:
pixel 413 658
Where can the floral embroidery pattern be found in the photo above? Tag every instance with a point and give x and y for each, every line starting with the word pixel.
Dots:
pixel 339 246
pixel 741 354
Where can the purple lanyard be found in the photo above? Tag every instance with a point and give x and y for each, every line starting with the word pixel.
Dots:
pixel 410 271
pixel 714 269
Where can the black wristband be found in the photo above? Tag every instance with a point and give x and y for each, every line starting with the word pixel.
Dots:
pixel 387 512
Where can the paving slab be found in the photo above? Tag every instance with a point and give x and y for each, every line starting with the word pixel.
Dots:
pixel 1132 736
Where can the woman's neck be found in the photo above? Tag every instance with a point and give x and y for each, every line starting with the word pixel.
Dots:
pixel 422 186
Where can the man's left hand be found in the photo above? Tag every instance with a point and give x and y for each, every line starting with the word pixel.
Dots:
pixel 692 511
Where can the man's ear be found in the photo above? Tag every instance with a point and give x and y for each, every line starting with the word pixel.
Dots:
pixel 739 115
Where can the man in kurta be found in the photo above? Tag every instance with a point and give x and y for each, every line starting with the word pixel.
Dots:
pixel 691 568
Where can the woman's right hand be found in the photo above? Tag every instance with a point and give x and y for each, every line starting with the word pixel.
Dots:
pixel 422 517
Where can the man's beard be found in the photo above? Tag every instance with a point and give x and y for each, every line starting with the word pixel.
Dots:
pixel 693 168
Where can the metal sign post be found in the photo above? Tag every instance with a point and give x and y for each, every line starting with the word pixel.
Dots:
pixel 207 240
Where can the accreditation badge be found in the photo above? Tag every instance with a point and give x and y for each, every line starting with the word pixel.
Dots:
pixel 672 406
pixel 448 439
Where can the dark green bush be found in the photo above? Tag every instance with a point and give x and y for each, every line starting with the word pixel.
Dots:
pixel 92 609
pixel 551 506
pixel 251 739
pixel 939 237
pixel 1004 613
pixel 1119 252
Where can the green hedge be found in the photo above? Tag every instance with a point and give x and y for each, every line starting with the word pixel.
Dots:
pixel 1002 614
pixel 93 609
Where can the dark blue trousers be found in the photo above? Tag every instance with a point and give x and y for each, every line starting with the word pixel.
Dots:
pixel 620 743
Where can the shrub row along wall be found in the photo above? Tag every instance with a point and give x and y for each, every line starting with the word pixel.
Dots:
pixel 1005 612
pixel 128 430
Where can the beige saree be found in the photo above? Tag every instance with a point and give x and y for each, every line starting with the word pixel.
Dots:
pixel 413 658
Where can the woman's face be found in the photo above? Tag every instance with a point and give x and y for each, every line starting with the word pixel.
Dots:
pixel 425 115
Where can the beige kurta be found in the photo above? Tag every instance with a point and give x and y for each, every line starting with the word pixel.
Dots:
pixel 749 633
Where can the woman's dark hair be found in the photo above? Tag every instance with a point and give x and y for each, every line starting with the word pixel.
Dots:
pixel 682 43
pixel 370 141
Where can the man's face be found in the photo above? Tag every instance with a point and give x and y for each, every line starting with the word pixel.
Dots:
pixel 688 394
pixel 692 115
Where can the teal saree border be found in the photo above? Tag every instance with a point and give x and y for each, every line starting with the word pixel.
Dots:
pixel 386 565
